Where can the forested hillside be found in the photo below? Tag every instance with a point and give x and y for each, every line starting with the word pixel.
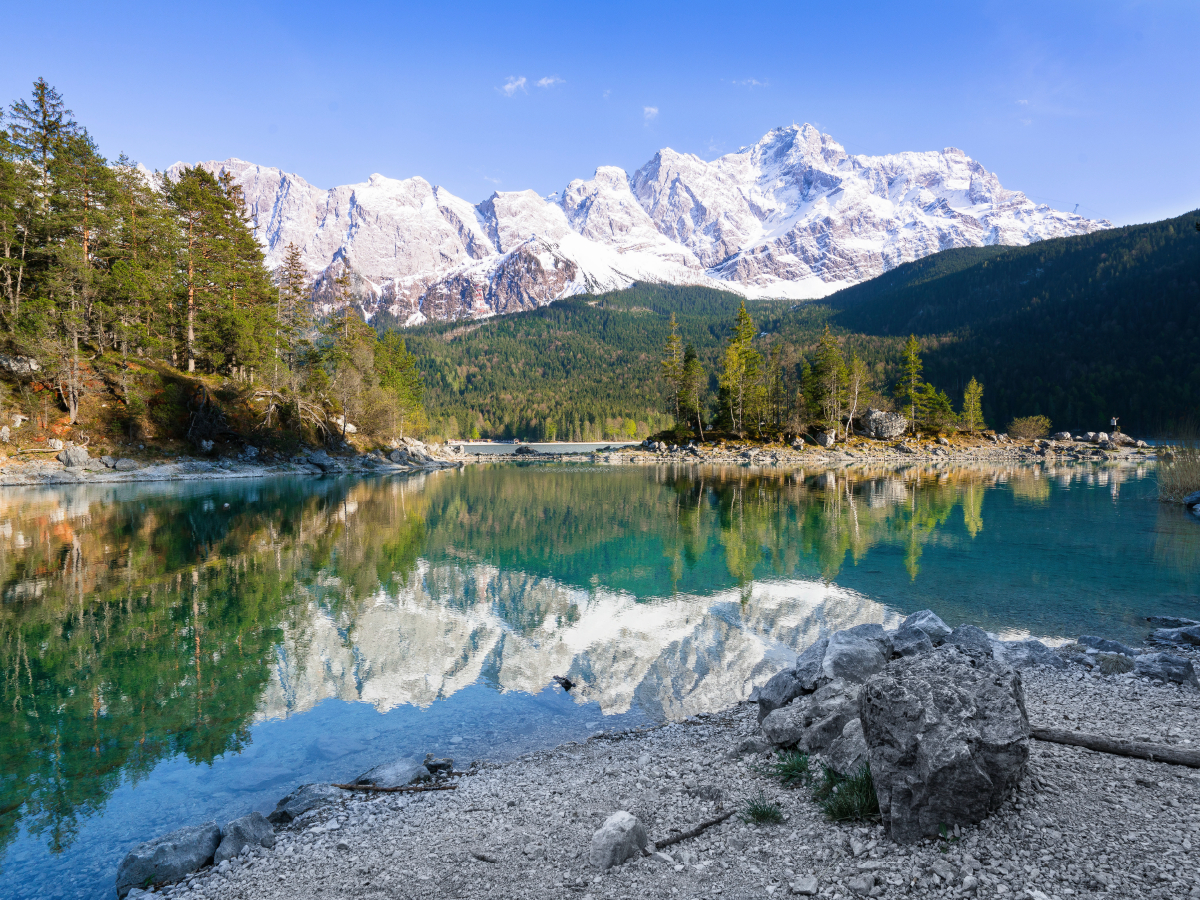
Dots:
pixel 1079 329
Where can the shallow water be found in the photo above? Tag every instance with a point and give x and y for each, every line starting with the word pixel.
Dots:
pixel 178 653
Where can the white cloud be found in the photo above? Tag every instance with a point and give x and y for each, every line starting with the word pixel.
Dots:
pixel 751 82
pixel 550 81
pixel 650 113
pixel 492 180
pixel 513 85
pixel 1023 102
pixel 606 93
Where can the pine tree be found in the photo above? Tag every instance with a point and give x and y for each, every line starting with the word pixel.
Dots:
pixel 972 407
pixel 402 382
pixel 741 370
pixel 692 391
pixel 828 382
pixel 908 390
pixel 672 366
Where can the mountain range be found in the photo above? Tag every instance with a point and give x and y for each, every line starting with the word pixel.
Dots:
pixel 793 216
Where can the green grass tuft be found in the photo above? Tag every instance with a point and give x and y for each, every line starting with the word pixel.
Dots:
pixel 845 799
pixel 792 768
pixel 760 810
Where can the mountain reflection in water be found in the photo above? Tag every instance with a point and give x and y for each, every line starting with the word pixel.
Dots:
pixel 142 623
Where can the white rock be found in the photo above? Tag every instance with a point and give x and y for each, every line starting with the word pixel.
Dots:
pixel 620 838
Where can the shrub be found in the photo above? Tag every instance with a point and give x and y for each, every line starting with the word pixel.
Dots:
pixel 847 799
pixel 1179 470
pixel 1029 427
pixel 792 768
pixel 760 810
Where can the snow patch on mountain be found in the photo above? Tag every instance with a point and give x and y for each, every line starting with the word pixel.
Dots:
pixel 793 216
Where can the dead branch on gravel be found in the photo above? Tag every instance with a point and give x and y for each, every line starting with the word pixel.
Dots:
pixel 695 832
pixel 1135 749
pixel 396 790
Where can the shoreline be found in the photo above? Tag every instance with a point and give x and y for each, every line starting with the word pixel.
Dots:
pixel 26 472
pixel 1080 824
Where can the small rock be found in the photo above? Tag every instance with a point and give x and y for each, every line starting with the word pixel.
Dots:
pixel 435 765
pixel 971 639
pixel 1022 654
pixel 861 884
pixel 929 623
pixel 781 690
pixel 1167 667
pixel 248 831
pixel 807 671
pixel 395 774
pixel 72 457
pixel 342 845
pixel 4 434
pixel 805 886
pixel 304 798
pixel 856 653
pixel 108 461
pixel 1104 645
pixel 848 754
pixel 911 641
pixel 621 837
pixel 54 444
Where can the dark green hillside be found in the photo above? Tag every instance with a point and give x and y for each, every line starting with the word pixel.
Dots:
pixel 587 364
pixel 1078 328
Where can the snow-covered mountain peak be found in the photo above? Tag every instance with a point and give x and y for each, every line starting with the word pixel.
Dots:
pixel 792 215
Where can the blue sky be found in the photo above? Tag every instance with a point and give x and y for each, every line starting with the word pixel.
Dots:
pixel 1095 103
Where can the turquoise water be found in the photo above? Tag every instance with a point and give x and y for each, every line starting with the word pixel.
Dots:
pixel 178 653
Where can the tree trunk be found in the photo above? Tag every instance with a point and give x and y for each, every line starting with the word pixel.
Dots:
pixel 1136 749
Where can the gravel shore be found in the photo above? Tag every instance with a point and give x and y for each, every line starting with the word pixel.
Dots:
pixel 1082 824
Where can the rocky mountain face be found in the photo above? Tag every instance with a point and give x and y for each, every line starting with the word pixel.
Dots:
pixel 792 216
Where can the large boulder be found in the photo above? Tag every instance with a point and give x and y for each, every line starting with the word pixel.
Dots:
pixel 929 623
pixel 947 738
pixel 1061 436
pixel 1023 654
pixel 395 774
pixel 73 457
pixel 884 426
pixel 248 831
pixel 1167 667
pixel 304 798
pixel 621 837
pixel 1192 500
pixel 125 465
pixel 971 639
pixel 824 439
pixel 168 858
pixel 856 653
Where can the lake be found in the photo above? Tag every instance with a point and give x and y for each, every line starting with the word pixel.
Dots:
pixel 174 653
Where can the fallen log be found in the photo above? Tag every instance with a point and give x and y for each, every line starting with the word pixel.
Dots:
pixel 695 832
pixel 406 789
pixel 1135 749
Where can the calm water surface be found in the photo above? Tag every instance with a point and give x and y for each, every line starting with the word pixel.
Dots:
pixel 178 653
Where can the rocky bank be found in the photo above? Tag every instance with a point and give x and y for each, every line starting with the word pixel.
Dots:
pixel 1075 824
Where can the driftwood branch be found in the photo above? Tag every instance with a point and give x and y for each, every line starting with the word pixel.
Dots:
pixel 1136 749
pixel 695 832
pixel 396 790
